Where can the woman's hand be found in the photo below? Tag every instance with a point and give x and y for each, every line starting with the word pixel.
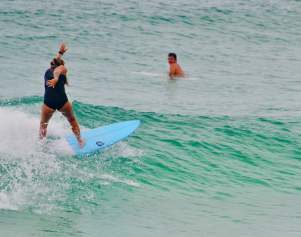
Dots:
pixel 63 48
pixel 52 83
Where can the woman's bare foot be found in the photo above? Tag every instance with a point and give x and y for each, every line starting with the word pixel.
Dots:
pixel 81 142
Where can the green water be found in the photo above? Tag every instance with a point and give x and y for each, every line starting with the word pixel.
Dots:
pixel 217 154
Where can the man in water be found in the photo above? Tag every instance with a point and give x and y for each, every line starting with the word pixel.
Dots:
pixel 55 97
pixel 175 69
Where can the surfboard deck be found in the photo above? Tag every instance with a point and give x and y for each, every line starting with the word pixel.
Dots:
pixel 100 138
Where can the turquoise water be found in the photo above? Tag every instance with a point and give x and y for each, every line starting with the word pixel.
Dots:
pixel 217 154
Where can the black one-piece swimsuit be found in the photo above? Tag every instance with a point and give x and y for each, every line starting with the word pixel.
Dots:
pixel 56 97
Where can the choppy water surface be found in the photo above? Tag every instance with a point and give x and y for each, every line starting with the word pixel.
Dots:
pixel 218 153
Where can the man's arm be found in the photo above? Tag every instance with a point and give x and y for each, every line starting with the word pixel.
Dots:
pixel 172 70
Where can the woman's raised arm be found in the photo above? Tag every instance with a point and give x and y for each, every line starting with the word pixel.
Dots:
pixel 63 49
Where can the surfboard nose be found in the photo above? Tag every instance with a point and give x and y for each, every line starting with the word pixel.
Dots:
pixel 135 123
pixel 100 138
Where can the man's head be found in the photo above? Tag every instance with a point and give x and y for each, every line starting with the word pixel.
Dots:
pixel 56 62
pixel 172 58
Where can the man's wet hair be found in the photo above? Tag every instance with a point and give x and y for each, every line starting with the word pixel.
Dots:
pixel 172 55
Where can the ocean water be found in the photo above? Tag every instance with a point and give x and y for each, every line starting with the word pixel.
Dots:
pixel 218 153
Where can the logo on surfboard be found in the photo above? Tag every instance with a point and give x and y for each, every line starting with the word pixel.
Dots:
pixel 99 143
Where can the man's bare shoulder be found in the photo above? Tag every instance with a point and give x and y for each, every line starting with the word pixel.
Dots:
pixel 179 70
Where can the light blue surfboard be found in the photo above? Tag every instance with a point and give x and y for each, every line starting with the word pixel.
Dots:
pixel 98 139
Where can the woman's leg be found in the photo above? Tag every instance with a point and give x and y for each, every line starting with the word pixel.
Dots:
pixel 46 114
pixel 67 111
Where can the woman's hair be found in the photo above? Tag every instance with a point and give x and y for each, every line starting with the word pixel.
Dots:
pixel 57 62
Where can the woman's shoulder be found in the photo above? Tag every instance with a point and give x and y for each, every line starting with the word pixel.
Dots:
pixel 61 69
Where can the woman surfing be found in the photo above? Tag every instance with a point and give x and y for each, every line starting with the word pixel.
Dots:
pixel 55 97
